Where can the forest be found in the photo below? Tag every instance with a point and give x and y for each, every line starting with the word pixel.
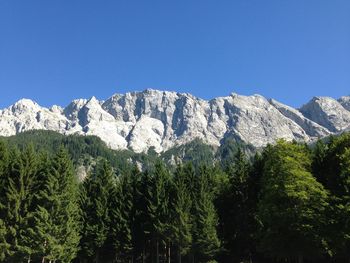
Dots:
pixel 288 202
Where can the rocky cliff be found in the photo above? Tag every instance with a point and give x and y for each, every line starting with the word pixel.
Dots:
pixel 162 119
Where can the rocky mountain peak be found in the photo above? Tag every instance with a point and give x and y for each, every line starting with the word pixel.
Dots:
pixel 163 119
pixel 345 102
pixel 327 112
pixel 24 105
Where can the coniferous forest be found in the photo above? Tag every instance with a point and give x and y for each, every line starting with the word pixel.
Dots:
pixel 288 202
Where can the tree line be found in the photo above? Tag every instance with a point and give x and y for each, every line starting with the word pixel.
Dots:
pixel 288 203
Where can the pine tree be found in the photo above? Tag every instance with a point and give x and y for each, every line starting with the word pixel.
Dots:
pixel 235 217
pixel 206 243
pixel 63 169
pixel 334 172
pixel 157 207
pixel 181 214
pixel 254 189
pixel 56 218
pixel 142 227
pixel 98 189
pixel 4 164
pixel 4 246
pixel 345 201
pixel 18 201
pixel 121 217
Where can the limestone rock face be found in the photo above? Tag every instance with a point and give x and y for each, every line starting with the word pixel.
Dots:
pixel 311 128
pixel 327 112
pixel 163 119
pixel 345 102
pixel 27 115
pixel 254 120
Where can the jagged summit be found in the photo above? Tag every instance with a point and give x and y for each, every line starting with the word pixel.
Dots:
pixel 163 119
pixel 327 112
pixel 345 102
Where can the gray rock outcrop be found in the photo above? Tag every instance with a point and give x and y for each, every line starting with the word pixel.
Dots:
pixel 162 119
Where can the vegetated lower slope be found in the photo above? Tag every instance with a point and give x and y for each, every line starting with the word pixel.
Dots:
pixel 85 149
pixel 290 203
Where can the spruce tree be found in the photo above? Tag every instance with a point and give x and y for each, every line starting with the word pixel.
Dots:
pixel 334 172
pixel 235 217
pixel 18 201
pixel 181 214
pixel 4 246
pixel 158 207
pixel 343 207
pixel 206 243
pixel 56 218
pixel 142 227
pixel 63 168
pixel 97 190
pixel 4 164
pixel 121 218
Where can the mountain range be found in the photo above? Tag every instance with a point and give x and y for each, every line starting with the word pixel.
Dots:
pixel 164 119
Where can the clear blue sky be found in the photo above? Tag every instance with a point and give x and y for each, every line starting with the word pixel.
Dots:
pixel 55 51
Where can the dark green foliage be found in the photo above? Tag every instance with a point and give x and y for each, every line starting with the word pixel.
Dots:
pixel 181 204
pixel 196 152
pixel 157 207
pixel 288 203
pixel 56 218
pixel 121 217
pixel 19 196
pixel 4 172
pixel 331 165
pixel 4 246
pixel 235 210
pixel 293 203
pixel 4 167
pixel 206 243
pixel 82 149
pixel 98 191
pixel 228 150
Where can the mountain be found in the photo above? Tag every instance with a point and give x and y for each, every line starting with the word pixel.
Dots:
pixel 345 102
pixel 163 119
pixel 327 112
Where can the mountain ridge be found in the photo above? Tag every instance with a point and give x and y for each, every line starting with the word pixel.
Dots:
pixel 164 119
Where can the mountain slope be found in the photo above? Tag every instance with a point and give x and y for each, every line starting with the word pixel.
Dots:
pixel 162 119
pixel 327 112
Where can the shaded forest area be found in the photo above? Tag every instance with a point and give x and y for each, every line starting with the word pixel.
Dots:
pixel 288 203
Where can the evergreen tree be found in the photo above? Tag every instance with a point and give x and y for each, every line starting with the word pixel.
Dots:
pixel 121 218
pixel 235 217
pixel 4 164
pixel 4 246
pixel 18 202
pixel 181 214
pixel 344 204
pixel 271 209
pixel 254 190
pixel 98 190
pixel 206 243
pixel 334 172
pixel 56 218
pixel 157 204
pixel 69 225
pixel 141 227
pixel 292 204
